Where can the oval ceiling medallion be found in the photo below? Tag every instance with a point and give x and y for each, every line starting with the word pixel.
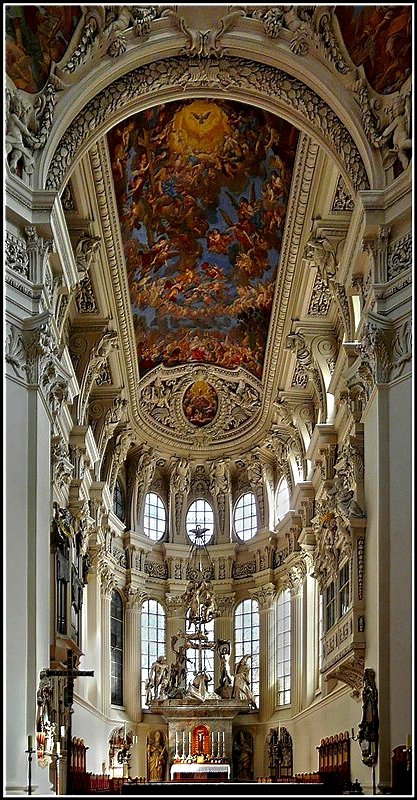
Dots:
pixel 200 403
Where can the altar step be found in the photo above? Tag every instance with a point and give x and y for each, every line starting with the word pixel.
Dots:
pixel 227 789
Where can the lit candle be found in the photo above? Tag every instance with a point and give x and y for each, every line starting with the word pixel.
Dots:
pixel 408 741
pixel 30 742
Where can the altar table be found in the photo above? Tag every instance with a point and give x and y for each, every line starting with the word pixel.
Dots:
pixel 200 772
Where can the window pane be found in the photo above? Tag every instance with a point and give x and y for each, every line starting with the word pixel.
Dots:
pixel 284 647
pixel 245 517
pixel 283 499
pixel 154 517
pixel 116 648
pixel 153 641
pixel 200 522
pixel 247 640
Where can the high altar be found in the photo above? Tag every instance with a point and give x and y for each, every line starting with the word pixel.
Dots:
pixel 200 738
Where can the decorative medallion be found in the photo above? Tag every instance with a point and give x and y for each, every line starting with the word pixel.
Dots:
pixel 200 403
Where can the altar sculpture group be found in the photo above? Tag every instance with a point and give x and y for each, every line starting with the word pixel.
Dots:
pixel 170 683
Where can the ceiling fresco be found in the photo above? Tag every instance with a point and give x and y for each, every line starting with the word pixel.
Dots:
pixel 36 36
pixel 202 189
pixel 380 39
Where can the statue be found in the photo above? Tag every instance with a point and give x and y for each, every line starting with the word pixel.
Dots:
pixel 241 688
pixel 368 735
pixel 157 676
pixel 242 756
pixel 224 688
pixel 20 141
pixel 156 756
pixel 400 130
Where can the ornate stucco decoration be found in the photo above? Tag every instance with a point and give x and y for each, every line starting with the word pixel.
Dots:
pixel 161 403
pixel 350 672
pixel 229 74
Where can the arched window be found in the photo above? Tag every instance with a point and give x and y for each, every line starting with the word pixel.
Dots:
pixel 283 499
pixel 245 517
pixel 119 505
pixel 199 522
pixel 284 647
pixel 153 639
pixel 116 648
pixel 154 517
pixel 247 640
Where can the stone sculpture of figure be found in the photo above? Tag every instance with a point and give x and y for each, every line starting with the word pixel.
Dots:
pixel 199 687
pixel 400 130
pixel 241 687
pixel 178 671
pixel 272 741
pixel 156 756
pixel 369 724
pixel 242 756
pixel 19 140
pixel 224 688
pixel 206 602
pixel 157 674
pixel 180 476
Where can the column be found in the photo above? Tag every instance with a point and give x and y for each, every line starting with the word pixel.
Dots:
pixel 107 585
pixel 223 630
pixel 131 692
pixel 267 667
pixel 297 660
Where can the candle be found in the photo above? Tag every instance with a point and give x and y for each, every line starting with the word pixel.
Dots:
pixel 103 767
pixel 189 743
pixel 212 743
pixel 57 748
pixel 62 731
pixel 30 742
pixel 353 733
pixel 183 744
pixel 408 741
pixel 222 744
pixel 279 733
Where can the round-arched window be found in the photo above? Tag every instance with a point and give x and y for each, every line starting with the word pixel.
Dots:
pixel 199 522
pixel 119 505
pixel 283 498
pixel 245 517
pixel 154 517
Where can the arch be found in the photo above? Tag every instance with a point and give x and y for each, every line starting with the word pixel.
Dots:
pixel 248 81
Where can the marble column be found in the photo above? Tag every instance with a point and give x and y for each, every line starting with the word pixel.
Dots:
pixel 131 693
pixel 267 667
pixel 107 586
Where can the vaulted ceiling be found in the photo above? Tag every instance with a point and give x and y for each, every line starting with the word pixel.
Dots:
pixel 208 224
